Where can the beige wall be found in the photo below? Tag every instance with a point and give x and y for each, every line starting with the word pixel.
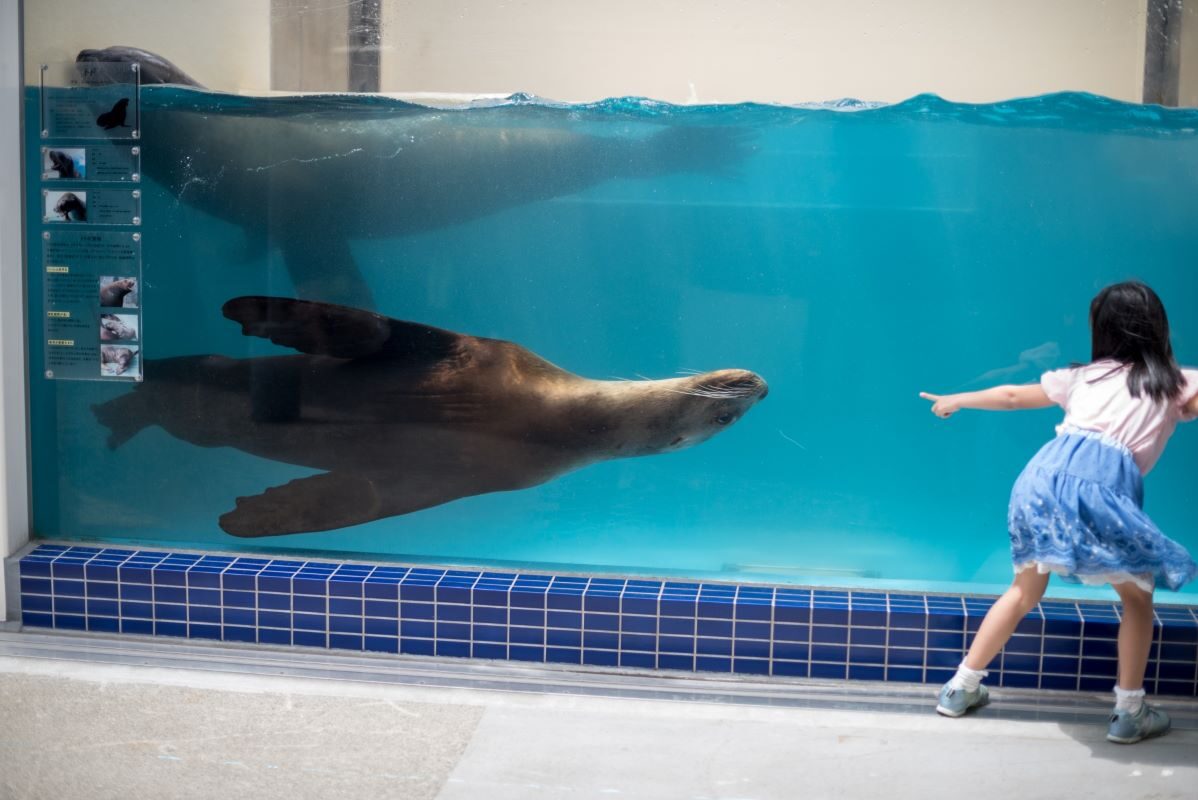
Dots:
pixel 772 50
pixel 224 44
pixel 309 40
pixel 677 50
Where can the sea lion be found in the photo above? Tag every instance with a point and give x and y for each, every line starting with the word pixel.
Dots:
pixel 115 360
pixel 114 118
pixel 112 295
pixel 403 416
pixel 310 174
pixel 71 208
pixel 63 164
pixel 113 328
pixel 153 68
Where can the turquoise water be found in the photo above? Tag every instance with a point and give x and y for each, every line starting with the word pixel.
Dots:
pixel 851 256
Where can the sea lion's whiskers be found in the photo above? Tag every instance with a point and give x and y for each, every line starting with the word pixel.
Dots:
pixel 725 391
pixel 691 393
pixel 712 392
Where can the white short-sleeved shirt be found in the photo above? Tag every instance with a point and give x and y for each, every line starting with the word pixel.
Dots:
pixel 1096 398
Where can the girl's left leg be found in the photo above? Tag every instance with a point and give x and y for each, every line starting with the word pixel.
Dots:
pixel 1133 719
pixel 1135 635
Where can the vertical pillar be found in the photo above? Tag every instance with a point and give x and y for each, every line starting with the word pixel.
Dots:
pixel 365 39
pixel 14 456
pixel 1162 52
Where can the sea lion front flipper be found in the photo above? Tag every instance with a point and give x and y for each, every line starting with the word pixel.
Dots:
pixel 321 329
pixel 318 503
pixel 322 267
pixel 335 500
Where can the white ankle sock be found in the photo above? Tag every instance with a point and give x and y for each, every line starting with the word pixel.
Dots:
pixel 967 679
pixel 1128 699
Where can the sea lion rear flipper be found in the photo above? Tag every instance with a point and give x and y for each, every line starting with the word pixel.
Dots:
pixel 321 329
pixel 333 500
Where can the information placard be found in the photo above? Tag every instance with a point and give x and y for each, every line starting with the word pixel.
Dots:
pixel 90 101
pixel 90 205
pixel 99 163
pixel 90 170
pixel 92 281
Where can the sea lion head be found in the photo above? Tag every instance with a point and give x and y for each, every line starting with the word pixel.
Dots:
pixel 667 415
pixel 153 67
pixel 113 294
pixel 62 163
pixel 69 204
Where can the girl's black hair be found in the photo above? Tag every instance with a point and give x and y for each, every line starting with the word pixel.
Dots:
pixel 1128 324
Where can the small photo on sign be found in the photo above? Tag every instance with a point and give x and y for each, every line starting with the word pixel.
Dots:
pixel 118 292
pixel 118 327
pixel 119 361
pixel 66 207
pixel 64 163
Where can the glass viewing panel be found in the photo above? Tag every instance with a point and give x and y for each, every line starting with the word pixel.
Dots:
pixel 617 336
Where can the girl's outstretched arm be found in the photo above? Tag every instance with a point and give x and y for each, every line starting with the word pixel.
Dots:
pixel 1000 398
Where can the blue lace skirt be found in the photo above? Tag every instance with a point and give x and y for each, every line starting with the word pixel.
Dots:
pixel 1076 510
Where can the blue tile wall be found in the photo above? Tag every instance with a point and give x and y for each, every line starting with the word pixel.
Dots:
pixel 610 622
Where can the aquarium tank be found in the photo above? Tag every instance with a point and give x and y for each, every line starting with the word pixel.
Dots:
pixel 501 290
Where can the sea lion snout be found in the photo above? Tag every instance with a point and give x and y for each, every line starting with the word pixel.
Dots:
pixel 700 407
pixel 736 383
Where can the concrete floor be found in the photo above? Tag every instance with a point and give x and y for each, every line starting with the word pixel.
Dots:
pixel 90 731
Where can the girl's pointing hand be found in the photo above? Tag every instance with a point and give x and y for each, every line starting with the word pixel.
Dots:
pixel 943 406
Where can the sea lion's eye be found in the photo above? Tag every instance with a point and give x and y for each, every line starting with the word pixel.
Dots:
pixel 724 419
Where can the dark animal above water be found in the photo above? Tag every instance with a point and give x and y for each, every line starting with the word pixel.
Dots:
pixel 401 416
pixel 153 68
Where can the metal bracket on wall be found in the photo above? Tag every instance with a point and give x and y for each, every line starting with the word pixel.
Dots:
pixel 1162 52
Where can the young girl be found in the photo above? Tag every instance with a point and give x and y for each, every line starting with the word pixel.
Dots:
pixel 1076 508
